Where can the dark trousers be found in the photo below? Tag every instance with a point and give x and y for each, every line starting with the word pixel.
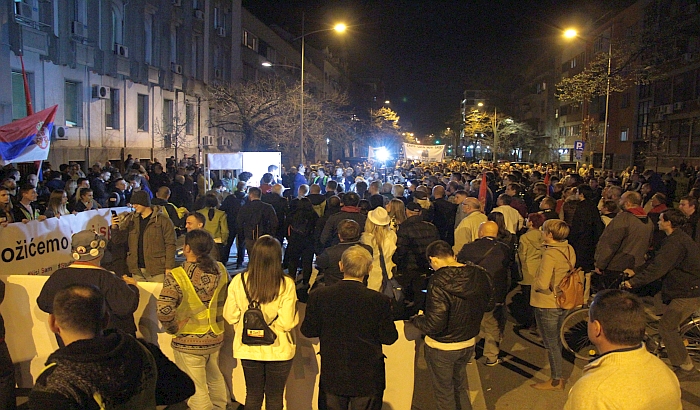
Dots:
pixel 300 250
pixel 240 250
pixel 227 247
pixel 413 285
pixel 448 373
pixel 528 314
pixel 265 380
pixel 7 379
pixel 328 401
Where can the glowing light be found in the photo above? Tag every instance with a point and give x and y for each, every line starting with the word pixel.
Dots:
pixel 570 33
pixel 382 154
pixel 267 64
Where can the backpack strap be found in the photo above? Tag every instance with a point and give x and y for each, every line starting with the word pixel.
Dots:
pixel 253 303
pixel 551 284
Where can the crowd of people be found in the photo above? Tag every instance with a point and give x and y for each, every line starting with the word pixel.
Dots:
pixel 458 238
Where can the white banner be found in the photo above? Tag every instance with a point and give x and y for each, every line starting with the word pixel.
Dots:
pixel 424 153
pixel 225 161
pixel 41 247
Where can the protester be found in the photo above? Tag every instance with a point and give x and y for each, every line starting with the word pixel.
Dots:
pixel 379 235
pixel 190 307
pixel 216 224
pixel 265 367
pixel 352 323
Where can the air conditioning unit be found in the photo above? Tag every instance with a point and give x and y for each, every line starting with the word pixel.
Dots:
pixel 100 91
pixel 688 57
pixel 207 140
pixel 677 106
pixel 176 68
pixel 121 50
pixel 199 14
pixel 221 32
pixel 218 73
pixel 78 29
pixel 177 3
pixel 59 133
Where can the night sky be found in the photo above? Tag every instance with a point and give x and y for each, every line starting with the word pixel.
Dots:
pixel 428 52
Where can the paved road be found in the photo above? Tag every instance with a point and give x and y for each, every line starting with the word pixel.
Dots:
pixel 507 386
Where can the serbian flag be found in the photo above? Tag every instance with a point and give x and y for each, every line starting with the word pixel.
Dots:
pixel 27 139
pixel 483 189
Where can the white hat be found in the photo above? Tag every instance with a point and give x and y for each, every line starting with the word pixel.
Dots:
pixel 379 216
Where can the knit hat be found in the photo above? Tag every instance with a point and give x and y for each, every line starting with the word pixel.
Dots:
pixel 379 216
pixel 87 245
pixel 140 198
pixel 412 206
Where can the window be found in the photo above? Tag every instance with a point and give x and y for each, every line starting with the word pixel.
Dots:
pixel 217 16
pixel 112 110
pixel 189 119
pixel 73 104
pixel 625 102
pixel 250 40
pixel 624 134
pixel 212 117
pixel 117 23
pixel 148 38
pixel 19 102
pixel 142 112
pixel 173 44
pixel 198 4
pixel 167 116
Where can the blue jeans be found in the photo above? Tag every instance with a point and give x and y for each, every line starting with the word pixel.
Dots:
pixel 448 372
pixel 265 380
pixel 549 323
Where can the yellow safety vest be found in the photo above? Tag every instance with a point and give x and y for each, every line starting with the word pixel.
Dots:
pixel 200 318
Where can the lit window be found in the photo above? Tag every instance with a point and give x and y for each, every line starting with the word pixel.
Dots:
pixel 624 134
pixel 73 104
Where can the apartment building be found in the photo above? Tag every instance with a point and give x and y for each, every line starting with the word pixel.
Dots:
pixel 129 77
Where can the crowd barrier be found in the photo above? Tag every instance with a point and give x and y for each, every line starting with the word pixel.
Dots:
pixel 30 342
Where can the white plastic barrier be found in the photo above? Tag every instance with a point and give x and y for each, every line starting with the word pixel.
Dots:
pixel 30 342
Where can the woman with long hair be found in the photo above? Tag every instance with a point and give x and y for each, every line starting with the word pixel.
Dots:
pixel 5 206
pixel 216 224
pixel 379 235
pixel 198 328
pixel 57 206
pixel 503 234
pixel 265 367
pixel 397 212
pixel 557 258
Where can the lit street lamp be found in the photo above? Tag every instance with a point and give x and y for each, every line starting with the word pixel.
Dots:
pixel 571 33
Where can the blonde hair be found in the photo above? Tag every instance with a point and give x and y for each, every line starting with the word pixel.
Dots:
pixel 378 232
pixel 356 262
pixel 397 211
pixel 558 228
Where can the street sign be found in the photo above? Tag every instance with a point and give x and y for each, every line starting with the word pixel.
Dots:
pixel 579 145
pixel 578 154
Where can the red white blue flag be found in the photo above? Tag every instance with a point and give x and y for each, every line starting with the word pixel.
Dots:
pixel 27 139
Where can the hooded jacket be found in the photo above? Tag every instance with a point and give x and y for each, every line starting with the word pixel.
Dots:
pixel 455 303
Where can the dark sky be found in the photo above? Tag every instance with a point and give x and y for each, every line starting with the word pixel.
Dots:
pixel 428 52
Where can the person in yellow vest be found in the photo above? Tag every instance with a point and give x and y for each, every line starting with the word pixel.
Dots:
pixel 215 223
pixel 190 307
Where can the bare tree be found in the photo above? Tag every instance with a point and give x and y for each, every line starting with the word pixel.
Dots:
pixel 172 132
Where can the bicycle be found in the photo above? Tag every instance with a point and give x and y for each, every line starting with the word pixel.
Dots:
pixel 574 331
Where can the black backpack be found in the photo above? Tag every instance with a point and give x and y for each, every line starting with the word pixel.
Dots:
pixel 256 331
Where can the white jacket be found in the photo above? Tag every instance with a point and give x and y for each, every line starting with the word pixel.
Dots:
pixel 284 307
pixel 512 218
pixel 374 281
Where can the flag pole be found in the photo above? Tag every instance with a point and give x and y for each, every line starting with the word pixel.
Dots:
pixel 30 110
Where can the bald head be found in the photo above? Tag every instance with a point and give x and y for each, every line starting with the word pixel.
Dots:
pixel 471 204
pixel 438 191
pixel 488 229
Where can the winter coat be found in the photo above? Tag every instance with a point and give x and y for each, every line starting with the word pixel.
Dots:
pixel 553 268
pixel 495 256
pixel 678 262
pixel 530 255
pixel 624 242
pixel 329 236
pixel 158 242
pixel 586 228
pixel 413 237
pixel 374 281
pixel 255 219
pixel 456 300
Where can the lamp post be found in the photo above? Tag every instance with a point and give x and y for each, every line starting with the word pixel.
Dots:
pixel 340 27
pixel 572 33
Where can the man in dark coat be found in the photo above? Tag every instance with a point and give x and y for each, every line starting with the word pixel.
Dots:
pixel 352 323
pixel 412 267
pixel 255 219
pixel 281 206
pixel 350 210
pixel 444 215
pixel 327 262
pixel 494 256
pixel 457 297
pixel 586 228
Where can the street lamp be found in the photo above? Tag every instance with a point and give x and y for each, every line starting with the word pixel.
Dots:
pixel 572 33
pixel 340 28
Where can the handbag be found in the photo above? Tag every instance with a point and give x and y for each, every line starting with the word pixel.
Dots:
pixel 391 288
pixel 256 331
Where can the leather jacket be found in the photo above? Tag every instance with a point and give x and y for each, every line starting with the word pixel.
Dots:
pixel 456 300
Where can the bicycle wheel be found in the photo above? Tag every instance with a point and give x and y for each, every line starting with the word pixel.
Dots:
pixel 691 337
pixel 574 335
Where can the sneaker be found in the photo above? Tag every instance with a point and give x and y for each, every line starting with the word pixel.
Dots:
pixel 493 363
pixel 687 375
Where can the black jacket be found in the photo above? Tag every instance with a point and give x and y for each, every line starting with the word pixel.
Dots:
pixel 329 236
pixel 281 207
pixel 678 262
pixel 255 219
pixel 444 219
pixel 455 303
pixel 352 323
pixel 327 263
pixel 586 228
pixel 495 257
pixel 413 237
